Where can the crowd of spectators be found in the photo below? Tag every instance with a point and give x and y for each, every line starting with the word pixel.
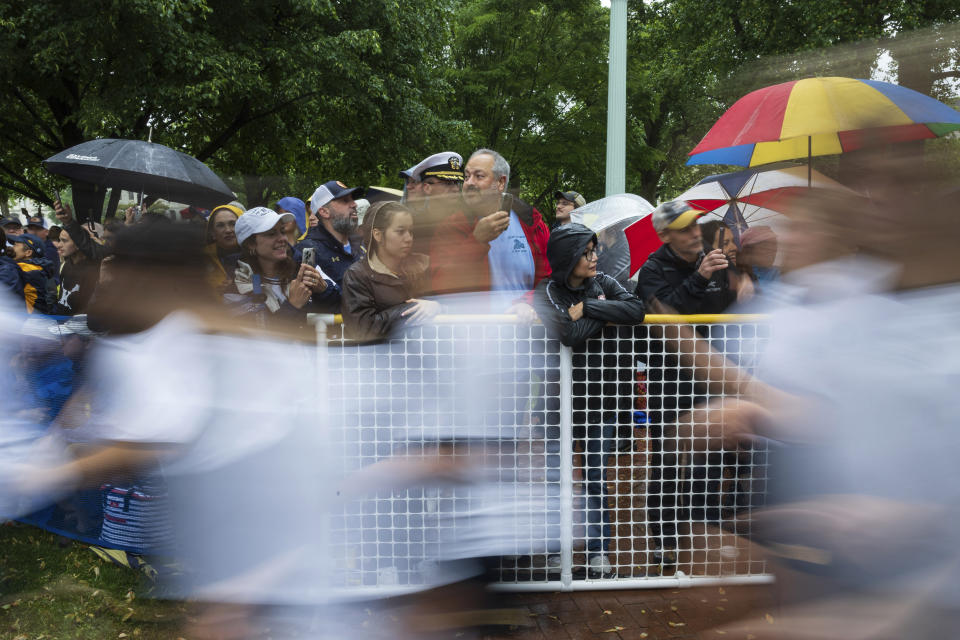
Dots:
pixel 458 228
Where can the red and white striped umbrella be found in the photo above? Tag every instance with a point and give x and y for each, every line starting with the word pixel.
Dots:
pixel 756 194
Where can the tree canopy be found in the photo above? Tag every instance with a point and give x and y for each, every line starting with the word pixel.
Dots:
pixel 279 95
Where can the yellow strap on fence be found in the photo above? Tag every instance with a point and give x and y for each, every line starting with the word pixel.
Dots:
pixel 651 318
pixel 704 318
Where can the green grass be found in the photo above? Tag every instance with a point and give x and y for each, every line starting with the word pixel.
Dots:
pixel 50 591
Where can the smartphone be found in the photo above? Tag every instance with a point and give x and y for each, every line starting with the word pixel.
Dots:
pixel 309 256
pixel 56 195
pixel 506 202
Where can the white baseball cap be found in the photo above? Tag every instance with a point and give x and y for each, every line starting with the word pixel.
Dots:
pixel 258 220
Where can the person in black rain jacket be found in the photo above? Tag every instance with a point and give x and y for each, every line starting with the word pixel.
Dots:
pixel 575 303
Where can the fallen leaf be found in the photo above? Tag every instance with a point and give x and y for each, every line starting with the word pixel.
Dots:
pixel 750 636
pixel 768 618
pixel 643 610
pixel 722 591
pixel 607 612
pixel 672 608
pixel 720 609
pixel 122 635
pixel 643 634
pixel 614 630
pixel 723 633
pixel 677 624
pixel 127 615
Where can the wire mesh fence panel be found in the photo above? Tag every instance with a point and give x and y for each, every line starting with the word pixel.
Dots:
pixel 475 410
pixel 661 500
pixel 453 431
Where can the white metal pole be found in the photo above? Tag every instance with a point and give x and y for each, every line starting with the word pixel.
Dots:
pixel 617 100
pixel 566 469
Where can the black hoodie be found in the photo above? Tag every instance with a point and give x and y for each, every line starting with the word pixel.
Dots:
pixel 604 299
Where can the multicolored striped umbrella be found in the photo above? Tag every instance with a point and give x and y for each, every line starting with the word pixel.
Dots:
pixel 818 117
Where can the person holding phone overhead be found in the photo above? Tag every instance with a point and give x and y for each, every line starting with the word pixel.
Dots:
pixel 740 277
pixel 679 274
pixel 496 243
pixel 80 259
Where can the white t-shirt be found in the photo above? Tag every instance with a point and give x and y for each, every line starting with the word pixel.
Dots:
pixel 512 269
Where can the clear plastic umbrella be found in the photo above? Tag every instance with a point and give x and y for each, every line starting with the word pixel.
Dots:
pixel 609 217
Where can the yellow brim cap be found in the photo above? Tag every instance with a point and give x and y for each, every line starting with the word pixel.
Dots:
pixel 685 219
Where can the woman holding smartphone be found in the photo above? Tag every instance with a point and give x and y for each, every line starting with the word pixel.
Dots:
pixel 716 235
pixel 268 284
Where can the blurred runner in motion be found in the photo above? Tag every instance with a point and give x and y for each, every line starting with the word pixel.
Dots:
pixel 862 406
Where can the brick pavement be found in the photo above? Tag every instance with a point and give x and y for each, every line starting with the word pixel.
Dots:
pixel 647 614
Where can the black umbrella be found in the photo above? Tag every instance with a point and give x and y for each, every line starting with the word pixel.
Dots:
pixel 142 167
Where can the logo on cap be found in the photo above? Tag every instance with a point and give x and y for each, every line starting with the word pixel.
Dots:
pixel 454 163
pixel 340 184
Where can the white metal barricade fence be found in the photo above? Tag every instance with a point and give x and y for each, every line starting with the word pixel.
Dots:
pixel 592 448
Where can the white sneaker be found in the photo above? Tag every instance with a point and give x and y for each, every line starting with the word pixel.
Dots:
pixel 600 566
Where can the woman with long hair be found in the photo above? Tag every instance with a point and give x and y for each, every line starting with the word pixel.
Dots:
pixel 380 292
pixel 716 235
pixel 222 250
pixel 268 284
pixel 79 274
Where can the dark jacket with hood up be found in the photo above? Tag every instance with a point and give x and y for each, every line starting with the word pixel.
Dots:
pixel 676 282
pixel 604 299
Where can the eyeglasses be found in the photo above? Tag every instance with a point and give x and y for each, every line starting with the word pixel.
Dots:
pixel 590 253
